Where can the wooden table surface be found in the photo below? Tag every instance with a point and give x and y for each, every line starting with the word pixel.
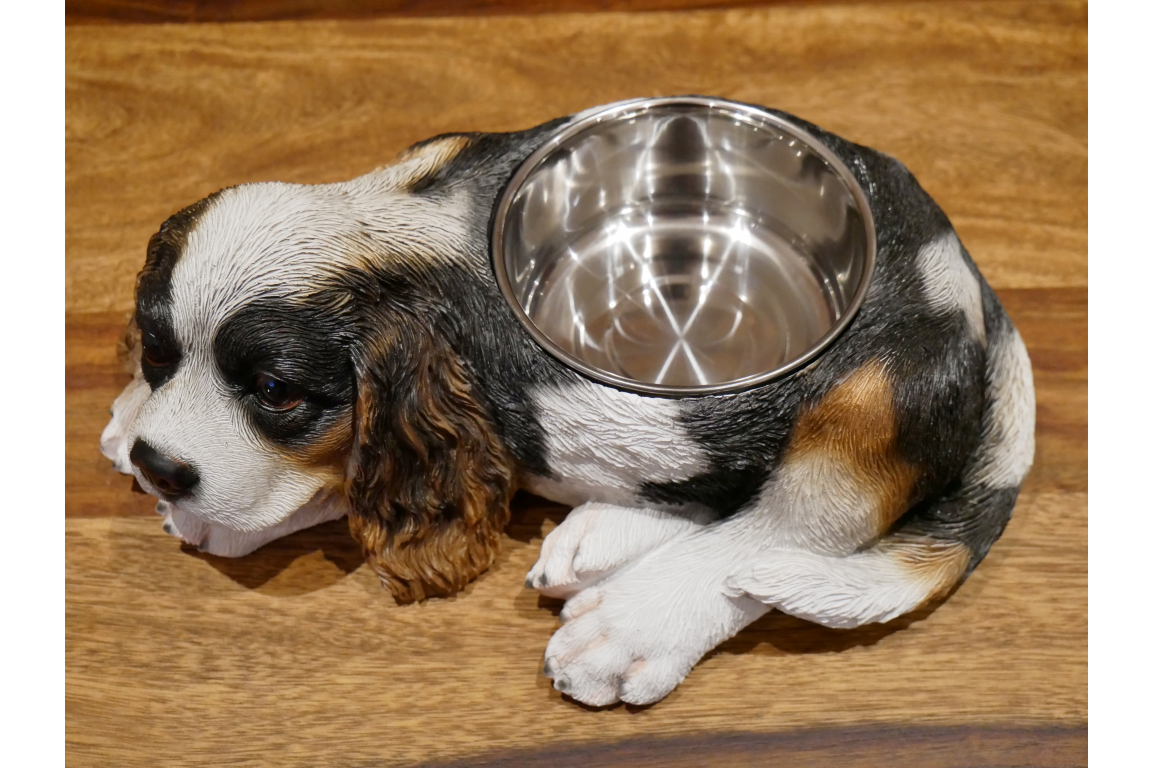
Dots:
pixel 294 656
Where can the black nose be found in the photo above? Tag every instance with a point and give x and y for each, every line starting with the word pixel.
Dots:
pixel 171 477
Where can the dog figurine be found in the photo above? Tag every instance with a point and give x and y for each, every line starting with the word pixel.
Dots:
pixel 302 353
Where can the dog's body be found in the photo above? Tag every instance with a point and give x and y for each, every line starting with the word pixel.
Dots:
pixel 315 351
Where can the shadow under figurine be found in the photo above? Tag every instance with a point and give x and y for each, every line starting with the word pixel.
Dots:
pixel 307 352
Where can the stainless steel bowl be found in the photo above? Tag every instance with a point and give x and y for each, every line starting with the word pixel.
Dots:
pixel 683 246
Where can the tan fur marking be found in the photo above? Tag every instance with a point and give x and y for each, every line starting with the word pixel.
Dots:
pixel 327 455
pixel 423 160
pixel 854 427
pixel 938 564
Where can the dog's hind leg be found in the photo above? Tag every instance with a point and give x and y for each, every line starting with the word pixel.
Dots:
pixel 597 539
pixel 878 584
pixel 936 544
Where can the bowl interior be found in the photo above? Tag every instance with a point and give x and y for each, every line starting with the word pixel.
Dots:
pixel 677 247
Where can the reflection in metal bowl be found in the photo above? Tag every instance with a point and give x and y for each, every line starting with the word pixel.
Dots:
pixel 683 246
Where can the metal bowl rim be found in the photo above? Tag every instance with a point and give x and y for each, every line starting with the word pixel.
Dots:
pixel 611 112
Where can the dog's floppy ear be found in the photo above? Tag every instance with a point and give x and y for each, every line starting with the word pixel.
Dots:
pixel 429 480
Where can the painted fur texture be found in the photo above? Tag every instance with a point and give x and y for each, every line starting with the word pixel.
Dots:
pixel 305 352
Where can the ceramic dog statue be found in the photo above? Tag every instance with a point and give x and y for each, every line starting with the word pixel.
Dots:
pixel 303 352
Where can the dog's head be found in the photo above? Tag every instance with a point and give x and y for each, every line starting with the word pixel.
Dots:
pixel 292 341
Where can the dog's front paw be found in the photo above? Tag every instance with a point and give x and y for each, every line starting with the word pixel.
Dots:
pixel 606 652
pixel 635 636
pixel 597 539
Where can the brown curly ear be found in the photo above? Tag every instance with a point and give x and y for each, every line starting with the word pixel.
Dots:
pixel 429 480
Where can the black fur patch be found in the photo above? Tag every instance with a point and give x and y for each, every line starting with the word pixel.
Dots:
pixel 486 165
pixel 725 489
pixel 161 350
pixel 975 516
pixel 972 514
pixel 302 343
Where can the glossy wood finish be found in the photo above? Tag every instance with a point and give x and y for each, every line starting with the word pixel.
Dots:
pixel 295 656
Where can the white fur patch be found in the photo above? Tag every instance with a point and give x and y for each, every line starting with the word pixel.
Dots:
pixel 949 284
pixel 635 634
pixel 276 240
pixel 1009 440
pixel 603 443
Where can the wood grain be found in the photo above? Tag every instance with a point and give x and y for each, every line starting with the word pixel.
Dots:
pixel 986 104
pixel 295 655
pixel 189 11
pixel 297 652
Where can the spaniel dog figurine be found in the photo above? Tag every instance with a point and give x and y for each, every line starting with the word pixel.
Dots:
pixel 305 352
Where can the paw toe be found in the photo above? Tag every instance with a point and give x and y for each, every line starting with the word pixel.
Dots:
pixel 535 577
pixel 580 604
pixel 572 640
pixel 591 692
pixel 649 681
pixel 586 681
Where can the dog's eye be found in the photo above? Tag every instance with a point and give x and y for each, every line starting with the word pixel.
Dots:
pixel 154 358
pixel 275 394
